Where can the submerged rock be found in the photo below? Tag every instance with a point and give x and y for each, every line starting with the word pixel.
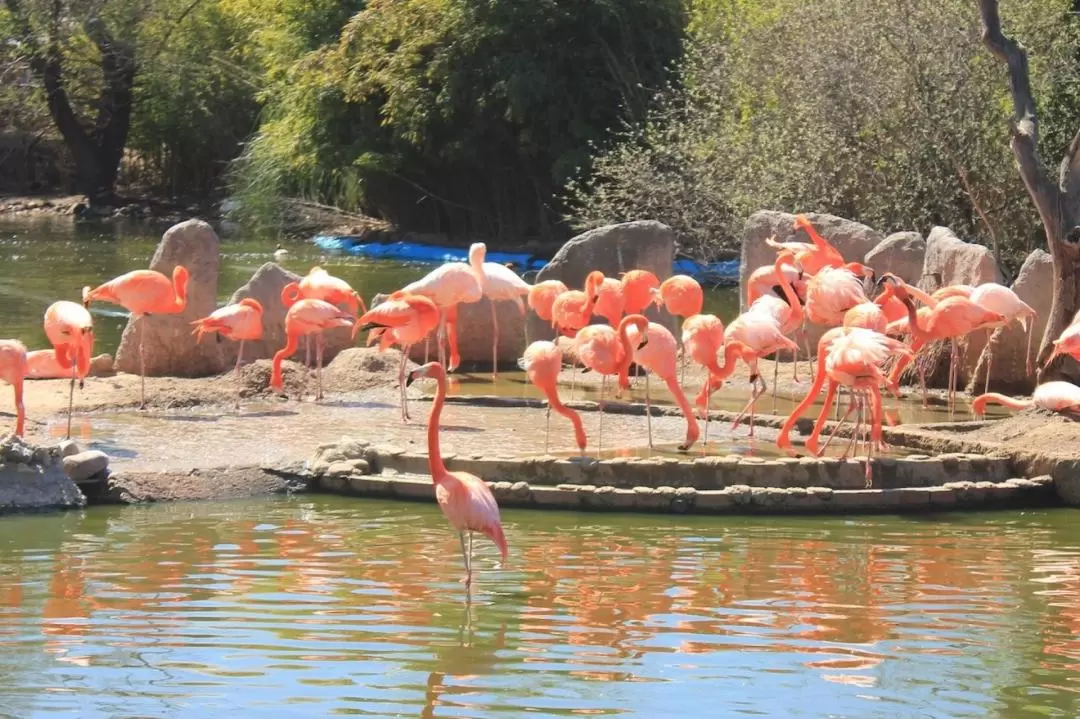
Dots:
pixel 169 345
pixel 32 478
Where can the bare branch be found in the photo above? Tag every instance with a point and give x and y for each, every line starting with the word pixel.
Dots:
pixel 1025 129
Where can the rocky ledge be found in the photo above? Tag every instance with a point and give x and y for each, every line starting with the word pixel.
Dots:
pixel 43 477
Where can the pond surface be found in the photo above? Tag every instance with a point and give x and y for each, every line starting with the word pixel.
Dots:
pixel 316 606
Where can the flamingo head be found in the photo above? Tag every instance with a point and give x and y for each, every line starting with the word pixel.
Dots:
pixel 252 303
pixel 592 284
pixel 477 253
pixel 433 370
pixel 860 270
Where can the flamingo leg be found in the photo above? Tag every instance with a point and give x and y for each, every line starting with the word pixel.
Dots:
pixel 318 366
pixel 775 378
pixel 466 557
pixel 401 386
pixel 71 400
pixel 573 382
pixel 600 441
pixel 494 342
pixel 753 403
pixel 875 433
pixel 755 392
pixel 1030 328
pixel 236 370
pixel 142 365
pixel 836 430
pixel 547 430
pixel 648 409
pixel 307 350
pixel 823 416
pixel 708 405
pixel 989 360
pixel 440 336
pixel 427 347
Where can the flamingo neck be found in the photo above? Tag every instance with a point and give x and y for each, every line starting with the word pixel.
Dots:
pixel 292 343
pixel 783 439
pixel 575 419
pixel 435 460
pixel 918 332
pixel 886 294
pixel 180 290
pixel 628 349
pixel 789 294
pixel 692 430
pixel 978 406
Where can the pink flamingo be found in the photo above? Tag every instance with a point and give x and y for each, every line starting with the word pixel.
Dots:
pixel 657 353
pixel 142 293
pixel 573 310
pixel 465 500
pixel 762 281
pixel 1062 397
pixel 403 319
pixel 1008 304
pixel 783 439
pixel 542 298
pixel 240 321
pixel 833 291
pixel 813 256
pixel 70 330
pixel 1068 342
pixel 607 351
pixel 680 295
pixel 610 303
pixel 448 286
pixel 638 286
pixel 319 284
pixel 542 363
pixel 42 364
pixel 306 317
pixel 501 284
pixel 13 371
pixel 703 338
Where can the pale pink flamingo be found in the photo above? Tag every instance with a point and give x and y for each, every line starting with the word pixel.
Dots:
pixel 542 298
pixel 542 363
pixel 1068 342
pixel 657 353
pixel 760 333
pixel 13 371
pixel 610 303
pixel 681 296
pixel 70 330
pixel 143 293
pixel 401 319
pixel 703 338
pixel 833 291
pixel 607 351
pixel 465 499
pixel 42 364
pixel 1061 397
pixel 573 310
pixel 501 284
pixel 1008 304
pixel 637 290
pixel 241 321
pixel 448 286
pixel 307 317
pixel 319 284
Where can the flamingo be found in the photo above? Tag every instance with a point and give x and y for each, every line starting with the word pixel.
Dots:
pixel 951 318
pixel 762 281
pixel 42 364
pixel 610 302
pixel 833 291
pixel 542 362
pixel 759 333
pixel 703 338
pixel 306 317
pixel 657 353
pixel 1062 397
pixel 403 319
pixel 143 293
pixel 70 330
pixel 240 321
pixel 1068 342
pixel 13 371
pixel 448 286
pixel 637 290
pixel 542 297
pixel 501 284
pixel 1008 304
pixel 319 284
pixel 465 500
pixel 681 296
pixel 813 256
pixel 607 351
pixel 783 440
pixel 572 310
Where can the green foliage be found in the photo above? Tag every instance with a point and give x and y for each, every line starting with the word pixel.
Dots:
pixel 460 115
pixel 891 113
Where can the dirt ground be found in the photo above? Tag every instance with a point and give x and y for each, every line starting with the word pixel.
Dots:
pixel 1033 430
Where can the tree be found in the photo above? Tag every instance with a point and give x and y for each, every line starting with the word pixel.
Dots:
pixel 1058 203
pixel 85 55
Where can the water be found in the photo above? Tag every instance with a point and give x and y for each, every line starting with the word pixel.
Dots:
pixel 317 606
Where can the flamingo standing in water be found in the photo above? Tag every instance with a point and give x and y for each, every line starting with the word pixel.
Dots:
pixel 319 284
pixel 703 339
pixel 70 330
pixel 13 371
pixel 465 500
pixel 501 284
pixel 401 319
pixel 607 351
pixel 681 296
pixel 542 362
pixel 1061 397
pixel 1008 304
pixel 657 352
pixel 143 293
pixel 572 310
pixel 240 321
pixel 448 286
pixel 306 317
pixel 610 302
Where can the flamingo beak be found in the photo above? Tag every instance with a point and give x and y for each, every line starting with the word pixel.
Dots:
pixel 409 380
pixel 644 341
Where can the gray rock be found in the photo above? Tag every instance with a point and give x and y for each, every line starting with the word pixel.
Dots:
pixel 613 249
pixel 26 484
pixel 84 465
pixel 68 447
pixel 1009 372
pixel 169 345
pixel 902 253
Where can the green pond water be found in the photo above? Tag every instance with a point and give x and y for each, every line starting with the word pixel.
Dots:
pixel 325 606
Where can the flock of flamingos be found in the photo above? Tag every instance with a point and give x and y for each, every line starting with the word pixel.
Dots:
pixel 809 282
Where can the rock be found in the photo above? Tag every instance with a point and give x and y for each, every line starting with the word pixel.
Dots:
pixel 102 366
pixel 613 249
pixel 852 239
pixel 84 465
pixel 1009 373
pixel 169 345
pixel 28 483
pixel 363 368
pixel 68 447
pixel 902 254
pixel 475 334
pixel 223 483
pixel 951 261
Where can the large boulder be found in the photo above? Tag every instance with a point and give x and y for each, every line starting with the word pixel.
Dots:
pixel 852 239
pixel 474 334
pixel 951 261
pixel 167 340
pixel 612 249
pixel 1009 345
pixel 901 253
pixel 32 478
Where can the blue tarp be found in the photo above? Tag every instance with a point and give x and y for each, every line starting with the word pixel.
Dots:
pixel 416 252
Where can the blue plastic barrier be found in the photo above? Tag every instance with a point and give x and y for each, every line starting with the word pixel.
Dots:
pixel 715 272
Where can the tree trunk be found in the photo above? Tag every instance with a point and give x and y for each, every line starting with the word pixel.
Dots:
pixel 1058 203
